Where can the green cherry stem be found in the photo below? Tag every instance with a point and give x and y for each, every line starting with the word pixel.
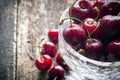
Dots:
pixel 98 11
pixel 62 21
pixel 95 28
pixel 70 11
pixel 89 36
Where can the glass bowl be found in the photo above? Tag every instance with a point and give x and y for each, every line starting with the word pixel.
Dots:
pixel 81 67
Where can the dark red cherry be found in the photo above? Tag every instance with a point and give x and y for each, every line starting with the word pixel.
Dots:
pixel 116 35
pixel 97 6
pixel 61 62
pixel 74 34
pixel 92 27
pixel 112 58
pixel 49 48
pixel 109 25
pixel 93 49
pixel 56 73
pixel 82 11
pixel 114 48
pixel 43 63
pixel 53 35
pixel 110 8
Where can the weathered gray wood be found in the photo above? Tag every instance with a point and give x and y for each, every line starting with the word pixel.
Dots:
pixel 7 39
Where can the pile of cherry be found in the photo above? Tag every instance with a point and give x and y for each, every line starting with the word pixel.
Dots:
pixel 94 29
pixel 50 63
pixel 94 32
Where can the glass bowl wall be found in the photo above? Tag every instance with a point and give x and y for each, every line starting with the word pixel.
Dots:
pixel 83 68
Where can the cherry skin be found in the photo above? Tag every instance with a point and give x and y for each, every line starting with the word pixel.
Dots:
pixel 74 35
pixel 53 35
pixel 109 26
pixel 92 27
pixel 116 35
pixel 112 58
pixel 114 48
pixel 56 73
pixel 43 63
pixel 82 11
pixel 110 8
pixel 61 62
pixel 93 49
pixel 49 48
pixel 97 4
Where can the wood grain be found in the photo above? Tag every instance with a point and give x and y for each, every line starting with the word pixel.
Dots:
pixel 7 39
pixel 22 24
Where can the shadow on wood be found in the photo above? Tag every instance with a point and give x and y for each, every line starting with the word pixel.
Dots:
pixel 7 39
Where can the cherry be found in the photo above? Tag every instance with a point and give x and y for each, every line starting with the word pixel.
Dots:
pixel 43 63
pixel 97 5
pixel 56 73
pixel 49 48
pixel 116 35
pixel 92 26
pixel 82 11
pixel 109 25
pixel 61 62
pixel 74 34
pixel 53 35
pixel 93 49
pixel 112 58
pixel 110 8
pixel 114 48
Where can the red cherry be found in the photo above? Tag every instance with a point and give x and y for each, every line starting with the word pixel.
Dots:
pixel 92 27
pixel 49 48
pixel 111 7
pixel 114 48
pixel 98 4
pixel 74 35
pixel 53 35
pixel 56 73
pixel 93 49
pixel 116 35
pixel 61 62
pixel 109 26
pixel 82 11
pixel 43 63
pixel 112 58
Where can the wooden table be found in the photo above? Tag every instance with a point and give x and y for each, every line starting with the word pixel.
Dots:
pixel 22 23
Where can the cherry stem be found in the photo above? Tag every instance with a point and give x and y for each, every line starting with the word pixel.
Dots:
pixel 62 21
pixel 70 11
pixel 98 11
pixel 89 36
pixel 94 29
pixel 81 51
pixel 40 43
pixel 55 78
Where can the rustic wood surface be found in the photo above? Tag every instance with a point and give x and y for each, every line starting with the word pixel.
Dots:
pixel 22 24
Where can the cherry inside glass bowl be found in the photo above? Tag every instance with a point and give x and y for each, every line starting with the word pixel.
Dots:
pixel 81 67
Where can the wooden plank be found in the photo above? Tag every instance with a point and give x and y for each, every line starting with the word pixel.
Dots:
pixel 35 18
pixel 7 39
